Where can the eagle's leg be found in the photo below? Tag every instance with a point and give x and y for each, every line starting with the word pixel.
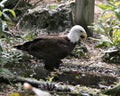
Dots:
pixel 51 64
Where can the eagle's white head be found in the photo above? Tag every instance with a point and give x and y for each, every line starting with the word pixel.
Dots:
pixel 76 33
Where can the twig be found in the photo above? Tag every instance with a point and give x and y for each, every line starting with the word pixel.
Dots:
pixel 38 84
pixel 17 4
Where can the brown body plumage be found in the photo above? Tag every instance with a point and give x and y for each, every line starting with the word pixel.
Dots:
pixel 50 48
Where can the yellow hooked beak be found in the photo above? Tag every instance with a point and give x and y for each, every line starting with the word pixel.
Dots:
pixel 84 36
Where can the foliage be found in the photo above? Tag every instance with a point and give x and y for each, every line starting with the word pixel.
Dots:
pixel 4 17
pixel 10 56
pixel 80 51
pixel 6 52
pixel 115 91
pixel 5 72
pixel 109 24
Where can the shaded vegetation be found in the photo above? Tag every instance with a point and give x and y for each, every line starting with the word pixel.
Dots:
pixel 109 31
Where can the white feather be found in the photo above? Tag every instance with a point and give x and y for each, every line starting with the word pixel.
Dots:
pixel 75 33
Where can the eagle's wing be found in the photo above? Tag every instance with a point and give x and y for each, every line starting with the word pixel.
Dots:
pixel 52 47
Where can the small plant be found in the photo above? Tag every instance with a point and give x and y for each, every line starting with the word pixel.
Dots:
pixel 6 53
pixel 109 24
pixel 5 18
pixel 109 29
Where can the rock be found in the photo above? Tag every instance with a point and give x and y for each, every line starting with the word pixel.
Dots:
pixel 53 18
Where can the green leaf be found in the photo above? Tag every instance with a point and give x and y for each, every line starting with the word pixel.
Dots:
pixel 116 37
pixel 117 3
pixel 28 36
pixel 52 6
pixel 0 13
pixel 107 15
pixel 103 44
pixel 12 12
pixel 106 7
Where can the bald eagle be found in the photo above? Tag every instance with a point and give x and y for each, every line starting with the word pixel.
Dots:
pixel 54 48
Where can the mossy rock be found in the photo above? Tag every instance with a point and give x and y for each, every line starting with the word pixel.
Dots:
pixel 45 18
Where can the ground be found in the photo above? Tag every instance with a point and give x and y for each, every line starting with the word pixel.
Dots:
pixel 89 71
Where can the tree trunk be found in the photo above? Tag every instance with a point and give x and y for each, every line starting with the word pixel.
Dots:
pixel 84 14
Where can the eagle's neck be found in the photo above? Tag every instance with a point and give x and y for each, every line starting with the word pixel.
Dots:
pixel 73 36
